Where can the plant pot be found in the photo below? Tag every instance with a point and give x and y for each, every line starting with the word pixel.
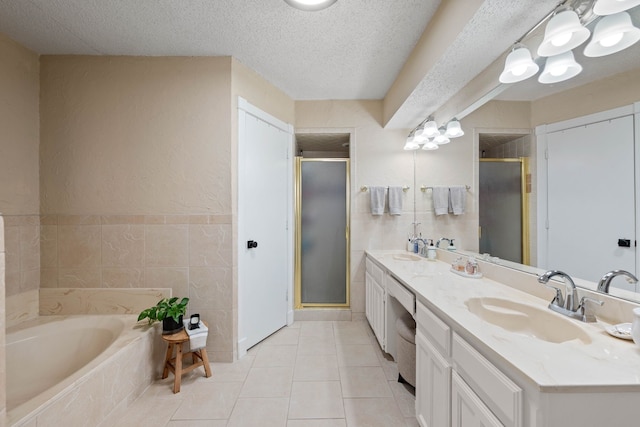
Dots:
pixel 170 326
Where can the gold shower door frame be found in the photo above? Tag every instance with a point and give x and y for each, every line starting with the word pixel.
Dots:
pixel 524 193
pixel 298 235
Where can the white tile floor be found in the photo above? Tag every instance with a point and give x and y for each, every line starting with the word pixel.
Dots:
pixel 310 374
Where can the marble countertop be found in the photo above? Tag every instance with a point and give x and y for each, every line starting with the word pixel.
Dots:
pixel 606 363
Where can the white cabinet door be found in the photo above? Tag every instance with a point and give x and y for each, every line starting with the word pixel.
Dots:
pixel 375 308
pixel 433 385
pixel 467 410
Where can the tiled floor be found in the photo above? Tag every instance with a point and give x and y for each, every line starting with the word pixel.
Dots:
pixel 310 374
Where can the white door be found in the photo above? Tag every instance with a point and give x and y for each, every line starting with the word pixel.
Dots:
pixel 591 199
pixel 433 385
pixel 467 409
pixel 264 243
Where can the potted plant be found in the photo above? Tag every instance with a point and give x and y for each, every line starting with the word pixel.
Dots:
pixel 169 311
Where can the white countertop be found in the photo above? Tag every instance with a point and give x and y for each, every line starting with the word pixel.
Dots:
pixel 606 362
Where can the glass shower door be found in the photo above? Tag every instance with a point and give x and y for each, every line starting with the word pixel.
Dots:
pixel 322 230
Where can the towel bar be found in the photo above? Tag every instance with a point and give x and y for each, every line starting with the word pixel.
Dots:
pixel 424 188
pixel 365 188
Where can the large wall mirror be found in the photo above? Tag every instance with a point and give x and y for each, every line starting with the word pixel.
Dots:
pixel 595 229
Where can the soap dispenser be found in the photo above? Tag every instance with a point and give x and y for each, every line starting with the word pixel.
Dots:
pixel 431 251
pixel 451 247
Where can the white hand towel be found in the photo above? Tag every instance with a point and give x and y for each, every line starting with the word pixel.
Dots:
pixel 197 337
pixel 440 197
pixel 377 200
pixel 457 199
pixel 395 200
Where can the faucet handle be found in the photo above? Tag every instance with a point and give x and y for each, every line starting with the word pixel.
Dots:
pixel 591 300
pixel 558 299
pixel 588 317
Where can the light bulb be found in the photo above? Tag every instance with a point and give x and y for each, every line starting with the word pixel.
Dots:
pixel 558 70
pixel 561 39
pixel 519 70
pixel 611 40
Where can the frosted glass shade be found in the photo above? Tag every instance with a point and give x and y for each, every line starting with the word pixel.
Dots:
pixel 310 5
pixel 430 145
pixel 518 66
pixel 453 129
pixel 441 138
pixel 609 7
pixel 559 68
pixel 563 32
pixel 430 129
pixel 612 34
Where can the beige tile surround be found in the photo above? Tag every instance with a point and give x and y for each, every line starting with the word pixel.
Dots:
pixel 191 254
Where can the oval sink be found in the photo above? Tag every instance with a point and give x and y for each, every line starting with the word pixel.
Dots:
pixel 406 257
pixel 527 320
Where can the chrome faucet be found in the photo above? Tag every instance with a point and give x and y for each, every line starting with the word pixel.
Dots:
pixel 605 282
pixel 569 305
pixel 440 240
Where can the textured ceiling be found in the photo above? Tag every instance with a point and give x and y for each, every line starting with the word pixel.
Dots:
pixel 333 142
pixel 352 50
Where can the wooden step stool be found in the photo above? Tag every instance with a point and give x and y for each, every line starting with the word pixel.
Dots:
pixel 174 364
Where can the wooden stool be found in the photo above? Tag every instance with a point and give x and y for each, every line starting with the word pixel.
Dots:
pixel 174 364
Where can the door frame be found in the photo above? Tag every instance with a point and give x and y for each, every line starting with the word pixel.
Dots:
pixel 244 107
pixel 298 235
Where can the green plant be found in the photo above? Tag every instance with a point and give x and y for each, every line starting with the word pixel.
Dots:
pixel 166 307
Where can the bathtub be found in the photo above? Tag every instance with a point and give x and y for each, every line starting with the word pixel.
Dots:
pixel 76 370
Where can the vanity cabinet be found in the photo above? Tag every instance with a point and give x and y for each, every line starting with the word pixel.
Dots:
pixel 375 301
pixel 457 386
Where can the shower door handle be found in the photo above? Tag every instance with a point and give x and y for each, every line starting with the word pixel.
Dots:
pixel 252 244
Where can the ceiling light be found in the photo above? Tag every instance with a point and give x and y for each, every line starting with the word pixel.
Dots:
pixel 310 5
pixel 612 34
pixel 559 68
pixel 518 66
pixel 430 129
pixel 430 145
pixel 454 130
pixel 609 7
pixel 441 138
pixel 563 32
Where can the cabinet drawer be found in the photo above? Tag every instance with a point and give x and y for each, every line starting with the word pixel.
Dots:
pixel 435 329
pixel 374 271
pixel 404 296
pixel 497 391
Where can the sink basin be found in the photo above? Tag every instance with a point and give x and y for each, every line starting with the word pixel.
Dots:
pixel 406 257
pixel 527 320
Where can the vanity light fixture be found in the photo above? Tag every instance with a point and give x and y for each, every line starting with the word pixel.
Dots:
pixel 559 68
pixel 563 32
pixel 310 5
pixel 609 7
pixel 612 34
pixel 518 66
pixel 453 129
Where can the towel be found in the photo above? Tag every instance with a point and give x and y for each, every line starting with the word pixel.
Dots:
pixel 377 200
pixel 457 199
pixel 440 197
pixel 395 200
pixel 197 337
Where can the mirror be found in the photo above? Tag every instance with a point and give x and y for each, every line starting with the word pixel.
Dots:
pixel 531 90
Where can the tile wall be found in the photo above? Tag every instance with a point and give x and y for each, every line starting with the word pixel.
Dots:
pixel 191 254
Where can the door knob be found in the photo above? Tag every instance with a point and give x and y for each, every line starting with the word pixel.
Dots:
pixel 252 244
